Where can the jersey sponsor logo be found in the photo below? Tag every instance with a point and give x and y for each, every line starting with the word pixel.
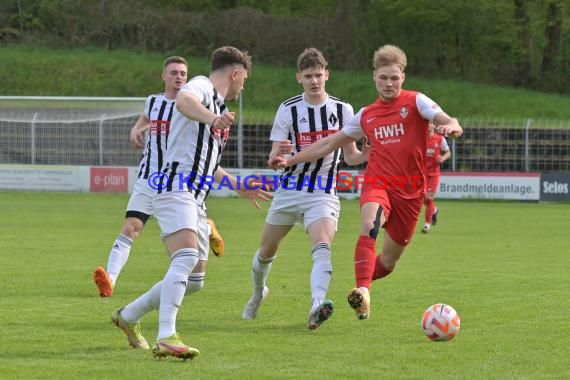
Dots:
pixel 159 127
pixel 307 138
pixel 303 120
pixel 220 135
pixel 431 151
pixel 384 132
pixel 404 112
pixel 370 120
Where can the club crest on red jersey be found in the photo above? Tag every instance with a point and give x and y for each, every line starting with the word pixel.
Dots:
pixel 404 112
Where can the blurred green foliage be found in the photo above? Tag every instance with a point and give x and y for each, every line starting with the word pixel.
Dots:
pixel 515 42
pixel 31 70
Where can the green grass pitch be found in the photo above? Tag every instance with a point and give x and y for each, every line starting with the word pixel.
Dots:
pixel 504 266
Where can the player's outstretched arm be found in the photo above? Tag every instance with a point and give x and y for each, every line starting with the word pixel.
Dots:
pixel 317 150
pixel 253 190
pixel 141 126
pixel 447 126
pixel 353 156
pixel 190 106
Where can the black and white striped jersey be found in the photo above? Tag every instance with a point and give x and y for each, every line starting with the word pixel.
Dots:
pixel 158 109
pixel 303 124
pixel 195 149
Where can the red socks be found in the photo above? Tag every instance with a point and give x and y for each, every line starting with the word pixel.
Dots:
pixel 379 270
pixel 367 266
pixel 364 261
pixel 430 209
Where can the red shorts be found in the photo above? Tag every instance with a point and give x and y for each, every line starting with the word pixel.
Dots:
pixel 401 214
pixel 431 183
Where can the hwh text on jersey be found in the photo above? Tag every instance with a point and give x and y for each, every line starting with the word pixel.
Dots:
pixel 386 131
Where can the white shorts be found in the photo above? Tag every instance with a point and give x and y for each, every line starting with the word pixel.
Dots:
pixel 178 210
pixel 141 199
pixel 291 206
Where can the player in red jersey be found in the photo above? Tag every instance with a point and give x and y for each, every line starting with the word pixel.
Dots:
pixel 394 183
pixel 436 145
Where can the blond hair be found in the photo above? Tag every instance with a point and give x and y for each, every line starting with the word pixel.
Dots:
pixel 311 58
pixel 174 59
pixel 389 55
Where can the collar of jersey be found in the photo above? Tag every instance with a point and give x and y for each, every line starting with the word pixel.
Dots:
pixel 316 105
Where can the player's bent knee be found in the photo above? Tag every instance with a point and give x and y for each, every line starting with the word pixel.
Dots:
pixel 366 227
pixel 132 227
pixel 266 252
pixel 374 226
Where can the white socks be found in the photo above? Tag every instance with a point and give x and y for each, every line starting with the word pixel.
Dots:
pixel 259 271
pixel 118 257
pixel 142 305
pixel 173 289
pixel 321 273
pixel 149 301
pixel 195 282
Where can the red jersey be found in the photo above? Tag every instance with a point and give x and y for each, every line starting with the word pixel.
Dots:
pixel 398 132
pixel 435 145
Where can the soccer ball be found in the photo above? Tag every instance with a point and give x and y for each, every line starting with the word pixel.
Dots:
pixel 440 322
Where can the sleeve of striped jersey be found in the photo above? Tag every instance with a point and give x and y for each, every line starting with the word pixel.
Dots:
pixel 353 128
pixel 198 86
pixel 349 112
pixel 281 124
pixel 444 146
pixel 427 107
pixel 147 107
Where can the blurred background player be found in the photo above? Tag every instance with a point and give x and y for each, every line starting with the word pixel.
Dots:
pixel 436 145
pixel 397 128
pixel 304 119
pixel 199 133
pixel 155 119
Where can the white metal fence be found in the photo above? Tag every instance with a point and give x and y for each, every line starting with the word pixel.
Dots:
pixel 98 134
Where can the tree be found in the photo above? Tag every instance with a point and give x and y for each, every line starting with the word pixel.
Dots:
pixel 553 37
pixel 523 65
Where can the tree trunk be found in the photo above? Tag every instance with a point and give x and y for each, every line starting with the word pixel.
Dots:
pixel 553 36
pixel 523 66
